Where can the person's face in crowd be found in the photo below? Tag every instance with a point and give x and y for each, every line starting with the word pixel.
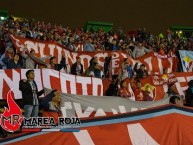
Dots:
pixel 24 28
pixel 89 40
pixel 172 88
pixel 97 66
pixel 78 60
pixel 95 41
pixel 53 61
pixel 138 84
pixel 71 39
pixel 95 59
pixel 70 31
pixel 16 57
pixel 182 47
pixel 63 35
pixel 32 52
pixel 140 44
pixel 127 61
pixel 142 68
pixel 125 66
pixel 148 89
pixel 56 97
pixel 38 37
pixel 162 46
pixel 51 36
pixel 56 35
pixel 31 75
pixel 166 71
pixel 114 42
pixel 144 43
pixel 51 32
pixel 177 102
pixel 11 31
pixel 124 46
pixel 45 38
pixel 10 50
pixel 163 40
pixel 127 51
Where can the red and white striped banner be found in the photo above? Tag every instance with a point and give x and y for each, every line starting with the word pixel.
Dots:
pixel 154 62
pixel 50 79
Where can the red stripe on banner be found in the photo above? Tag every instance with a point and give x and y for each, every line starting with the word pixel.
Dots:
pixel 6 89
pixel 106 83
pixel 155 68
pixel 55 83
pixel 31 129
pixel 78 87
pixel 56 138
pixel 9 73
pixel 99 90
pixel 11 77
pixel 173 129
pixel 89 88
pixel 68 87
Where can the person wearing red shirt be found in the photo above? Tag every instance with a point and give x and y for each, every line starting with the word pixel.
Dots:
pixel 123 91
pixel 137 90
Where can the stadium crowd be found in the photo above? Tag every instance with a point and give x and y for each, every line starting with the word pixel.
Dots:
pixel 133 44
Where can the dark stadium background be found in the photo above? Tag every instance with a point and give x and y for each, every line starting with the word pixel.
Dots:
pixel 155 15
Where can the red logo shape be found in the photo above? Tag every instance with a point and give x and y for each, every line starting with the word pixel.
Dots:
pixel 12 118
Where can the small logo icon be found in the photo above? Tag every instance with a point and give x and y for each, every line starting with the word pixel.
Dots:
pixel 11 119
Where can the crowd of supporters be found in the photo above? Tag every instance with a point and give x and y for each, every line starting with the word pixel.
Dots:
pixel 135 45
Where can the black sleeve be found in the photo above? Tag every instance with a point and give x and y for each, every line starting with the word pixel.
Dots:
pixel 40 92
pixel 81 72
pixel 188 96
pixel 5 60
pixel 63 63
pixel 73 69
pixel 112 90
pixel 109 60
pixel 45 101
pixel 22 85
pixel 135 67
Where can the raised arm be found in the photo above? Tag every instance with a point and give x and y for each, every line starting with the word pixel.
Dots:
pixel 146 50
pixel 134 52
pixel 23 54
